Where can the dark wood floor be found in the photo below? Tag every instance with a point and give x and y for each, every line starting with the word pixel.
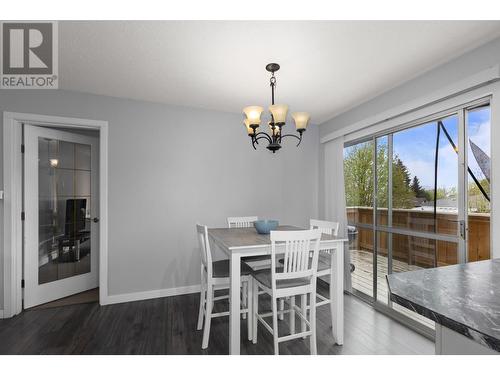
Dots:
pixel 168 326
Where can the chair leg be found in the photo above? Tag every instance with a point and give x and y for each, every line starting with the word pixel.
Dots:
pixel 208 316
pixel 282 307
pixel 275 326
pixel 292 315
pixel 303 305
pixel 250 308
pixel 255 307
pixel 312 321
pixel 202 306
pixel 244 298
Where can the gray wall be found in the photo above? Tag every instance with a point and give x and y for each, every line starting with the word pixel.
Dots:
pixel 170 167
pixel 444 75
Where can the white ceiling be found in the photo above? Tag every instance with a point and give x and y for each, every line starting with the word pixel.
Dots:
pixel 326 67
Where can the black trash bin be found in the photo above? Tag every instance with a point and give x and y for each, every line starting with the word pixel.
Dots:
pixel 352 234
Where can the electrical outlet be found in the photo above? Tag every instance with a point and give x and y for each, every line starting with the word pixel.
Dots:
pixel 1 194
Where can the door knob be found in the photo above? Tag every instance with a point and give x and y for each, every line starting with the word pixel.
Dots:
pixel 95 219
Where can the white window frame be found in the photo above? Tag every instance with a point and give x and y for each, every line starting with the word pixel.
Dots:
pixel 418 116
pixel 489 90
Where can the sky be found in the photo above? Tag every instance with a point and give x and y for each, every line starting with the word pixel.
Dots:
pixel 416 148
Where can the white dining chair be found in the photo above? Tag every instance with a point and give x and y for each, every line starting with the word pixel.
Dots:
pixel 215 275
pixel 255 262
pixel 297 276
pixel 324 257
pixel 241 221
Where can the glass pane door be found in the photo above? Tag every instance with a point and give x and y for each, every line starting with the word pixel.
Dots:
pixel 417 196
pixel 64 185
pixel 359 185
pixel 61 203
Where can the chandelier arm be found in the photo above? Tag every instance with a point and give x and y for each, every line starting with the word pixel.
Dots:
pixel 300 140
pixel 254 141
pixel 294 136
pixel 263 135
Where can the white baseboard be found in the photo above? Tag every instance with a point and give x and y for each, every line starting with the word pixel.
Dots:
pixel 150 294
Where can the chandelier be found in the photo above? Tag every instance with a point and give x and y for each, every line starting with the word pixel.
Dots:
pixel 278 119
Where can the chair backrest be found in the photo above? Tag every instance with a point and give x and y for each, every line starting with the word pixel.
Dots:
pixel 241 222
pixel 326 227
pixel 296 261
pixel 204 244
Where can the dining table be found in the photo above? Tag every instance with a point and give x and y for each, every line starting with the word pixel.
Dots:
pixel 238 243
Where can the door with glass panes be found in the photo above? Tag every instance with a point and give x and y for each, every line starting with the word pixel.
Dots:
pixel 60 230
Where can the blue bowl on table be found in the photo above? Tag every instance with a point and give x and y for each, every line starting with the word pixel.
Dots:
pixel 265 226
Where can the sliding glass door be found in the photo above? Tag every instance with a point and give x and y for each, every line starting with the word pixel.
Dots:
pixel 359 187
pixel 418 197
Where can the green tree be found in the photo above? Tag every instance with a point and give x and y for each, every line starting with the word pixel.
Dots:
pixel 477 201
pixel 442 193
pixel 358 174
pixel 404 171
pixel 417 188
pixel 402 194
pixel 382 176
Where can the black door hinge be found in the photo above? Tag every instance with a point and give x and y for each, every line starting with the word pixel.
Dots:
pixel 22 149
pixel 23 216
pixel 22 283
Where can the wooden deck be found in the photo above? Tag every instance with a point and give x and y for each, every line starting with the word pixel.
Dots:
pixel 362 280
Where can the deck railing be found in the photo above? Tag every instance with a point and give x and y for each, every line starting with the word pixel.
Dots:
pixel 417 251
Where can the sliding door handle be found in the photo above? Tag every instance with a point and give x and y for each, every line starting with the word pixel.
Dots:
pixel 462 227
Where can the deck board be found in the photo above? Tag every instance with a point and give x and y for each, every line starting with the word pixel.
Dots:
pixel 362 280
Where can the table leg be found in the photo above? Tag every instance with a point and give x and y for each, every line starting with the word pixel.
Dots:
pixel 337 293
pixel 234 304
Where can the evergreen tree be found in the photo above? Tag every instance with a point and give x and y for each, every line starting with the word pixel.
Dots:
pixel 404 171
pixel 417 188
pixel 402 194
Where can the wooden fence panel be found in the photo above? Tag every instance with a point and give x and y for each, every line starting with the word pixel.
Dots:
pixel 420 251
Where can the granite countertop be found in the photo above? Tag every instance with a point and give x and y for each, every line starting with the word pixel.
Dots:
pixel 464 298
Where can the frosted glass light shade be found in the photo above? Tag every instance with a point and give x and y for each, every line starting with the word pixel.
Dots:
pixel 247 125
pixel 279 112
pixel 253 113
pixel 301 119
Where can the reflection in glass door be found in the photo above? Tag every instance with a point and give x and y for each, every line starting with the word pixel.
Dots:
pixel 64 201
pixel 478 130
pixel 431 205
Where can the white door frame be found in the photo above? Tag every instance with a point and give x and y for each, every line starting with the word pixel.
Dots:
pixel 13 201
